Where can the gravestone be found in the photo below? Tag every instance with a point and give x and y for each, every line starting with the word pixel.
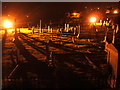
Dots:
pixel 113 60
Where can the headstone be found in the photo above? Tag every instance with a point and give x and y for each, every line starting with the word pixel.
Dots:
pixel 117 28
pixel 67 27
pixel 40 27
pixel 33 29
pixel 49 29
pixel 113 40
pixel 105 37
pixel 75 31
pixel 113 60
pixel 73 39
pixel 42 30
pixel 79 28
pixel 78 36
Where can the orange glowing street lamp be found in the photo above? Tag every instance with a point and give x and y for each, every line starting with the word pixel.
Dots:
pixel 7 24
pixel 115 11
pixel 76 15
pixel 93 22
pixel 93 19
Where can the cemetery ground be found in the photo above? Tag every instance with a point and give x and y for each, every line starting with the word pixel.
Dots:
pixel 54 59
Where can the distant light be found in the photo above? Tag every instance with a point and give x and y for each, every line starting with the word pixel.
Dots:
pixel 98 8
pixel 98 24
pixel 108 11
pixel 104 22
pixel 74 14
pixel 27 16
pixel 7 24
pixel 93 19
pixel 115 12
pixel 100 21
pixel 86 7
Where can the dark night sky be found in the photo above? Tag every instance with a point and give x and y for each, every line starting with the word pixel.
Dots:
pixel 47 11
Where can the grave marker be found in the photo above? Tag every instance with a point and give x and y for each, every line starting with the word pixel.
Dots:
pixel 112 58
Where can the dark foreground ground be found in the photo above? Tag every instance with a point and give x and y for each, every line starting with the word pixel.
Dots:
pixel 55 60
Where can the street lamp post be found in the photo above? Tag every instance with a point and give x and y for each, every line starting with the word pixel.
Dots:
pixel 40 27
pixel 27 20
pixel 93 22
pixel 15 27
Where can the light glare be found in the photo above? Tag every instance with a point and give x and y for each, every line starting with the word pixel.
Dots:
pixel 93 19
pixel 7 24
pixel 115 12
